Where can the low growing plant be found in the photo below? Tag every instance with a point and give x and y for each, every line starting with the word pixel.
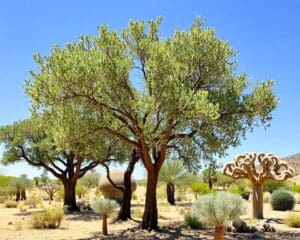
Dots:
pixel 282 200
pixel 10 204
pixel 105 207
pixel 293 220
pixel 193 222
pixel 33 202
pixel 218 209
pixel 295 188
pixel 48 218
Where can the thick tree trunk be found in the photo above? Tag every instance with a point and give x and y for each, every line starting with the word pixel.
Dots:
pixel 18 195
pixel 257 201
pixel 150 213
pixel 171 193
pixel 125 210
pixel 23 194
pixel 104 225
pixel 210 183
pixel 219 232
pixel 70 195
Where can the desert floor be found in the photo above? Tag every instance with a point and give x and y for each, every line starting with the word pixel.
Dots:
pixel 87 225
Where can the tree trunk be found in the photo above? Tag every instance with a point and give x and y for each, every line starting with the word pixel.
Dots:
pixel 18 195
pixel 104 224
pixel 150 213
pixel 70 195
pixel 210 183
pixel 219 232
pixel 257 201
pixel 125 210
pixel 171 193
pixel 23 194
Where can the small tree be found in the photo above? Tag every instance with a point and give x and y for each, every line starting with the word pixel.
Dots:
pixel 199 188
pixel 50 188
pixel 243 166
pixel 104 207
pixel 218 209
pixel 20 185
pixel 173 172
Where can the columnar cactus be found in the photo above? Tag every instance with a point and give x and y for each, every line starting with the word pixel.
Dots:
pixel 243 166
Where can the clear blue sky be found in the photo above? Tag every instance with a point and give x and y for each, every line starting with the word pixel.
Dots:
pixel 265 33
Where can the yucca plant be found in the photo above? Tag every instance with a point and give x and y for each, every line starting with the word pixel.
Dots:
pixel 104 207
pixel 172 173
pixel 217 209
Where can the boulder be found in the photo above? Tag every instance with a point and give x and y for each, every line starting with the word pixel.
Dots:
pixel 109 191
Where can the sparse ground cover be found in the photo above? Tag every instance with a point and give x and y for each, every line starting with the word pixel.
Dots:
pixel 15 225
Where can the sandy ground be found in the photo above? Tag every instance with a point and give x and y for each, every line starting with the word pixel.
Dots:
pixel 87 225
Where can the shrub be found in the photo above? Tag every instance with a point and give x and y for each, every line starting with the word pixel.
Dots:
pixel 217 209
pixel 48 218
pixel 105 207
pixel 59 195
pixel 273 185
pixel 293 220
pixel 193 222
pixel 33 202
pixel 240 187
pixel 199 188
pixel 23 208
pixel 282 200
pixel 138 213
pixel 10 204
pixel 295 188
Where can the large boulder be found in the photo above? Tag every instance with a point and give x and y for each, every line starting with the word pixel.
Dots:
pixel 109 191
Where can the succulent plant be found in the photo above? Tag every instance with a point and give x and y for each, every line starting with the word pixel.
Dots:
pixel 282 200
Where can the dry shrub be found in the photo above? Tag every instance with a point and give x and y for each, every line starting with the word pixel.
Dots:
pixel 48 218
pixel 23 208
pixel 138 213
pixel 293 220
pixel 33 202
pixel 10 204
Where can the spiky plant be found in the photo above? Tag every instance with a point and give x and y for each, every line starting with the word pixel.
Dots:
pixel 104 207
pixel 217 209
pixel 172 173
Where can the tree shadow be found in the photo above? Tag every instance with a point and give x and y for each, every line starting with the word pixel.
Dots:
pixel 84 216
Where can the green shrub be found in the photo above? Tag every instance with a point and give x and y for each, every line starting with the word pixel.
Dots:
pixel 103 205
pixel 193 222
pixel 240 187
pixel 273 185
pixel 295 188
pixel 199 188
pixel 10 204
pixel 282 200
pixel 59 195
pixel 48 218
pixel 293 220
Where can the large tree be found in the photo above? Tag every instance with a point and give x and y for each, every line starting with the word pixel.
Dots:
pixel 153 93
pixel 46 143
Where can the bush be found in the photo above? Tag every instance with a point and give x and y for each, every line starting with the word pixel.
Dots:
pixel 199 188
pixel 295 188
pixel 193 222
pixel 33 202
pixel 239 187
pixel 23 208
pixel 293 220
pixel 218 208
pixel 10 204
pixel 103 205
pixel 273 185
pixel 49 218
pixel 282 200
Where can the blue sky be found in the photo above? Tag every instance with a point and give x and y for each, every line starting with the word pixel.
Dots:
pixel 265 33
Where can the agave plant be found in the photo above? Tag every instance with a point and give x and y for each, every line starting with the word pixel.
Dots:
pixel 104 207
pixel 217 209
pixel 173 172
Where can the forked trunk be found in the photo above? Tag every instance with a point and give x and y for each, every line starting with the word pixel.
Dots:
pixel 104 224
pixel 125 210
pixel 171 193
pixel 70 195
pixel 219 232
pixel 150 213
pixel 257 201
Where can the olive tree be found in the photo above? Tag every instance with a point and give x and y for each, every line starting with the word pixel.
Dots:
pixel 154 93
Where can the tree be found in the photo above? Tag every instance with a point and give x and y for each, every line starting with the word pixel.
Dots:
pixel 20 185
pixel 187 92
pixel 243 166
pixel 60 150
pixel 198 188
pixel 105 207
pixel 90 180
pixel 217 209
pixel 173 173
pixel 210 174
pixel 50 187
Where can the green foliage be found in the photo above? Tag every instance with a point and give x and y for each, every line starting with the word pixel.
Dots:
pixel 295 188
pixel 173 171
pixel 273 185
pixel 240 187
pixel 59 195
pixel 293 220
pixel 90 180
pixel 218 208
pixel 104 206
pixel 81 190
pixel 193 222
pixel 223 180
pixel 282 200
pixel 199 188
pixel 10 204
pixel 48 218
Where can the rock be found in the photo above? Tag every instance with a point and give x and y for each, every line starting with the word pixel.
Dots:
pixel 10 223
pixel 111 192
pixel 240 225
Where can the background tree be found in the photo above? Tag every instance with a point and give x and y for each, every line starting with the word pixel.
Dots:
pixel 173 173
pixel 187 91
pixel 60 146
pixel 90 180
pixel 210 173
pixel 50 188
pixel 243 166
pixel 20 185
